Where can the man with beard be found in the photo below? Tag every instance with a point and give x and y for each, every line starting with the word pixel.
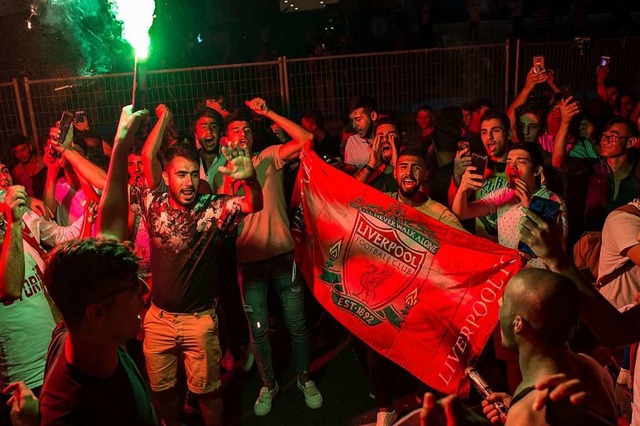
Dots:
pixel 233 331
pixel 495 135
pixel 378 172
pixel 207 135
pixel 185 228
pixel 363 114
pixel 265 256
pixel 411 174
pixel 612 181
pixel 472 135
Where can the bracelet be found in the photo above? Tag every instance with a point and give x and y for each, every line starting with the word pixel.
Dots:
pixel 368 167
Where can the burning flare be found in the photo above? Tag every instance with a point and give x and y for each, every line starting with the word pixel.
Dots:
pixel 136 17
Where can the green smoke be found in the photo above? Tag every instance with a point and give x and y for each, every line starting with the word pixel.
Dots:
pixel 89 28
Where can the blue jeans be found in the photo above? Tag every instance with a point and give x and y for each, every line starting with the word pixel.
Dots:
pixel 255 278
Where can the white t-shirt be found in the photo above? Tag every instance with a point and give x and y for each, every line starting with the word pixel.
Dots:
pixel 356 151
pixel 619 235
pixel 70 202
pixel 265 234
pixel 509 209
pixel 26 323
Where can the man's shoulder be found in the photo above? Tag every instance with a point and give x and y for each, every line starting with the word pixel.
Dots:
pixel 522 413
pixel 266 154
pixel 629 213
pixel 393 194
pixel 356 140
pixel 545 192
pixel 503 193
pixel 60 387
pixel 435 206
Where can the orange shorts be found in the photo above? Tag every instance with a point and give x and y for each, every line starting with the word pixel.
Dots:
pixel 169 337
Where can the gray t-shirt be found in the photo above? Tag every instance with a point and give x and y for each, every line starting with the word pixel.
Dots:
pixel 619 235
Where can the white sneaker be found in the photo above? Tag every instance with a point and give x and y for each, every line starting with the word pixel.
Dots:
pixel 312 395
pixel 386 418
pixel 262 407
pixel 245 363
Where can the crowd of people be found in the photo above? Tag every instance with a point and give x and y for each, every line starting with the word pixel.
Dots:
pixel 167 243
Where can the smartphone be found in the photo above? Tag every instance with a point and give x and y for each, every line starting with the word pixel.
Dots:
pixel 538 64
pixel 484 390
pixel 480 163
pixel 567 92
pixel 548 210
pixel 463 145
pixel 605 61
pixel 63 126
pixel 79 117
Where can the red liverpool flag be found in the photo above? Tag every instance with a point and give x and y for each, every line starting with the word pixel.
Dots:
pixel 421 293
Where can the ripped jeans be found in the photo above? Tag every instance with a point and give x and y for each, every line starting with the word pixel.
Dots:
pixel 255 278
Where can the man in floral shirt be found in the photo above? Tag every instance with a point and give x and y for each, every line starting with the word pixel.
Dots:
pixel 185 228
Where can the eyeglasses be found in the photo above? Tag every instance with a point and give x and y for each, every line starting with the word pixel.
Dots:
pixel 140 285
pixel 613 138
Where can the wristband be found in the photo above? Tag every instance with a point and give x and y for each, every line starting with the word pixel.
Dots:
pixel 368 167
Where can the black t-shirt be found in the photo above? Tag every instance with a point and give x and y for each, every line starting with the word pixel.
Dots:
pixel 70 397
pixel 184 246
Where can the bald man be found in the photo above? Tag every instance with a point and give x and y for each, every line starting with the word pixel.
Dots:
pixel 538 313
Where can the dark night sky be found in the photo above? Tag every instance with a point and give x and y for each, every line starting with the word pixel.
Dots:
pixel 231 32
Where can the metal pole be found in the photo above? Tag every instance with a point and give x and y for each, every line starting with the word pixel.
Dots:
pixel 281 83
pixel 287 94
pixel 16 94
pixel 506 75
pixel 517 68
pixel 32 114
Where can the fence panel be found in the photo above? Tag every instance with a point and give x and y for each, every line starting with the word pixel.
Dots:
pixel 103 96
pixel 11 117
pixel 571 67
pixel 400 81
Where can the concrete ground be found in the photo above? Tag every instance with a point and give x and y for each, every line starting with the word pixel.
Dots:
pixel 344 384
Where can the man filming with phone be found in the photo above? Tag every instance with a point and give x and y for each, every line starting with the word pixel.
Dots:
pixel 495 134
pixel 524 174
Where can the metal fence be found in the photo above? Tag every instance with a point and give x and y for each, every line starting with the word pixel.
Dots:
pixel 400 81
pixel 11 115
pixel 577 67
pixel 102 97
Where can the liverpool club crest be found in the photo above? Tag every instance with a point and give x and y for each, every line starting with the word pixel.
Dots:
pixel 374 271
